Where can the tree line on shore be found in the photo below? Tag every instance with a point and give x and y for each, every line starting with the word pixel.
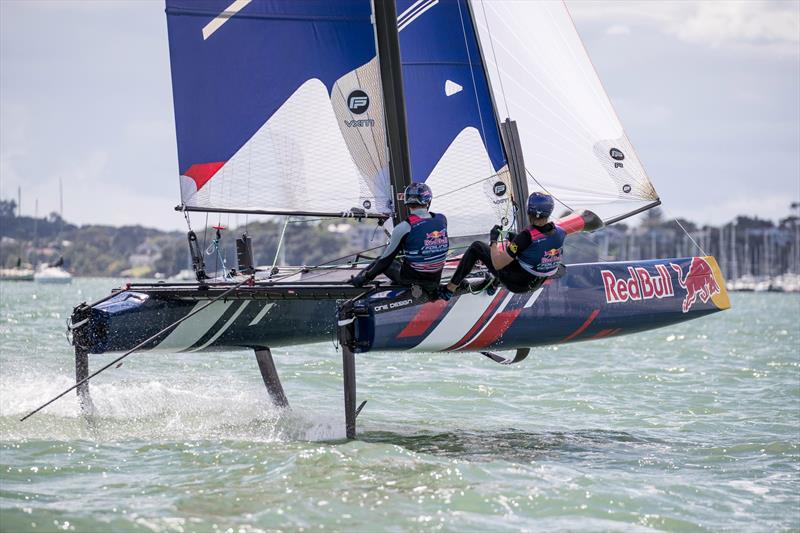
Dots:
pixel 744 246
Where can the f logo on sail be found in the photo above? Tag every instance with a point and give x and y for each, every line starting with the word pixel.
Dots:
pixel 358 102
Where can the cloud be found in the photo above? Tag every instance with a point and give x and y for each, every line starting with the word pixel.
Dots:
pixel 775 26
pixel 757 26
pixel 618 29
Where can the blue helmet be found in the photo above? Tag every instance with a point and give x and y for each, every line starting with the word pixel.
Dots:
pixel 418 194
pixel 540 205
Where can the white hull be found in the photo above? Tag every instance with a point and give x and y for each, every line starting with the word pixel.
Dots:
pixel 53 275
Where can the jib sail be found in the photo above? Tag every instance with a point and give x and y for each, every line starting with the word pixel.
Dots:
pixel 278 106
pixel 453 137
pixel 573 143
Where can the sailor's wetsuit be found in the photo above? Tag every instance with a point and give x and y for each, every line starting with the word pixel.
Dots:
pixel 422 238
pixel 537 251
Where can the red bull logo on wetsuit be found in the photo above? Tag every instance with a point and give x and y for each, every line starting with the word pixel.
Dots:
pixel 543 256
pixel 427 244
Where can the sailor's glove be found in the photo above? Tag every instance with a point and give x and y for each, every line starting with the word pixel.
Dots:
pixel 494 235
pixel 359 279
pixel 510 236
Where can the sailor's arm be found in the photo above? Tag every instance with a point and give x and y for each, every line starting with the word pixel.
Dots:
pixel 501 258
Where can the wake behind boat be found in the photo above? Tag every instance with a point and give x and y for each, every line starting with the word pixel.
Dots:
pixel 331 109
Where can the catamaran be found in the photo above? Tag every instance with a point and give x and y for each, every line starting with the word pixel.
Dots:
pixel 309 108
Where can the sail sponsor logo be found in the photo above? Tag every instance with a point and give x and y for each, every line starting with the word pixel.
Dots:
pixel 362 123
pixel 639 285
pixel 617 155
pixel 499 188
pixel 699 282
pixel 358 102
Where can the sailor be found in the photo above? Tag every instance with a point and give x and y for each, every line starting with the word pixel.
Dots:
pixel 422 238
pixel 527 261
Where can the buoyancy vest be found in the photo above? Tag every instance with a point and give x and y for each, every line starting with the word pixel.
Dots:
pixel 426 245
pixel 543 256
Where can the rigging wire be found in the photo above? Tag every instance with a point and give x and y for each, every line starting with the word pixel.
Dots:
pixel 494 56
pixel 471 71
pixel 690 237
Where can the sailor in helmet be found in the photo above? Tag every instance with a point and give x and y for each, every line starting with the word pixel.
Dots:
pixel 422 238
pixel 527 261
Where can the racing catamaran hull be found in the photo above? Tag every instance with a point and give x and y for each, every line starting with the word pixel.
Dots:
pixel 591 301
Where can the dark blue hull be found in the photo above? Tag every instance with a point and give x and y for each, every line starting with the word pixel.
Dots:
pixel 591 301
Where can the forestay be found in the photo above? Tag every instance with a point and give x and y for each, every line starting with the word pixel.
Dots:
pixel 573 143
pixel 453 137
pixel 278 105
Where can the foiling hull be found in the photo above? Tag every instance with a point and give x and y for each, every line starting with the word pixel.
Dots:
pixel 592 301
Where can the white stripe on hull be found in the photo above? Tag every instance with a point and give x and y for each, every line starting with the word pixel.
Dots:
pixel 499 309
pixel 225 327
pixel 456 323
pixel 261 314
pixel 189 332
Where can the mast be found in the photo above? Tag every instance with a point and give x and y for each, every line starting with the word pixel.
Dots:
pixel 388 48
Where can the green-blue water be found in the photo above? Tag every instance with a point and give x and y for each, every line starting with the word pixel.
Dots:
pixel 693 427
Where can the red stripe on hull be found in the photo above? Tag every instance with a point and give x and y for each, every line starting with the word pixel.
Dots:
pixel 583 326
pixel 426 316
pixel 493 331
pixel 481 321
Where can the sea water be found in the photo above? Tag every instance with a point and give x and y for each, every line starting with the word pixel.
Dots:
pixel 688 428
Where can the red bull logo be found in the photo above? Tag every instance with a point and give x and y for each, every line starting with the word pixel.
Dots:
pixel 699 282
pixel 552 252
pixel 639 285
pixel 436 238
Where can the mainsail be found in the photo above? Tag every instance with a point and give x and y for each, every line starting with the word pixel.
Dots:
pixel 278 106
pixel 573 143
pixel 454 142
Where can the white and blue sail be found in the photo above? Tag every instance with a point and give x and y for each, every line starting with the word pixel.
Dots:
pixel 278 106
pixel 454 140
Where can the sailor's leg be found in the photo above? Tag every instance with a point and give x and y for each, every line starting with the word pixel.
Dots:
pixel 270 376
pixel 477 251
pixel 81 373
pixel 394 272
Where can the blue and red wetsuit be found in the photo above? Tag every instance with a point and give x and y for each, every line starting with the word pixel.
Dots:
pixel 423 240
pixel 537 251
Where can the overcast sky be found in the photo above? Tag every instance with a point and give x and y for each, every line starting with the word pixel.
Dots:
pixel 708 92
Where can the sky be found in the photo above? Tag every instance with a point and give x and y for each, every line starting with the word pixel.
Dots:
pixel 708 93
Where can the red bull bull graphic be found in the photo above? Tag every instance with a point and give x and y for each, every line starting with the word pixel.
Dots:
pixel 639 285
pixel 699 282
